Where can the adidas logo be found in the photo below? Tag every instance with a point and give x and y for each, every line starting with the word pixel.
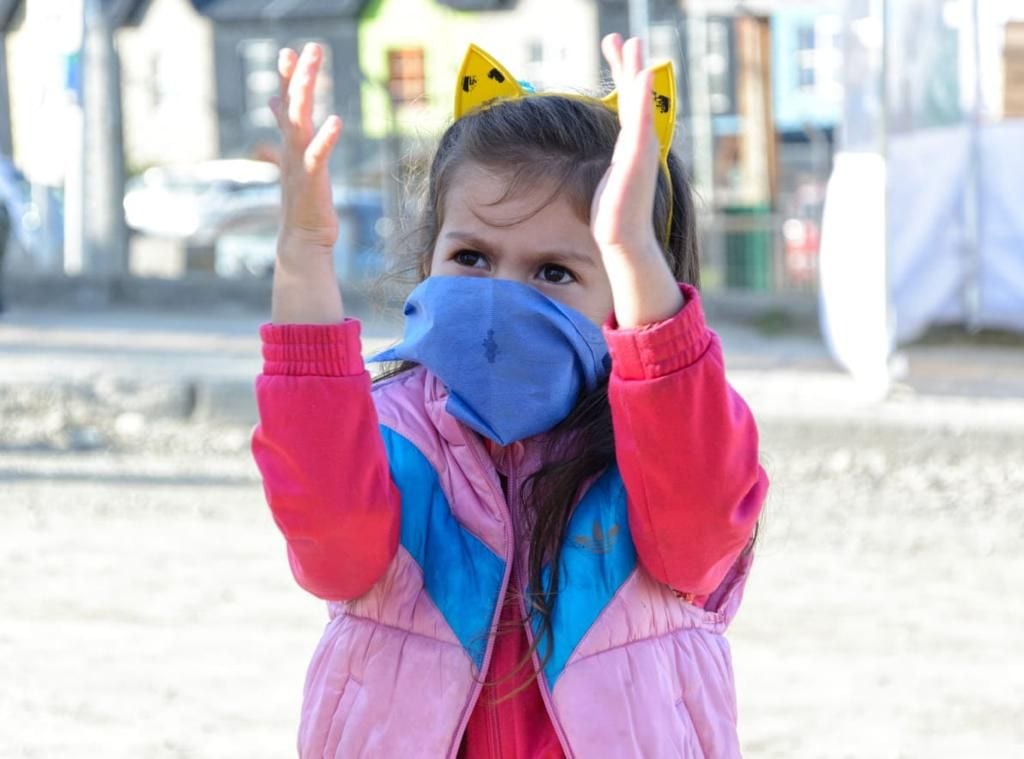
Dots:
pixel 598 541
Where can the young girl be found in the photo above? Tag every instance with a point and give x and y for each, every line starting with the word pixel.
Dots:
pixel 533 535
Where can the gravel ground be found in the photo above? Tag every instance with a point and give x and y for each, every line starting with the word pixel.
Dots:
pixel 148 610
pixel 880 619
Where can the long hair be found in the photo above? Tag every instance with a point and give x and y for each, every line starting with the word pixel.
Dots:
pixel 565 143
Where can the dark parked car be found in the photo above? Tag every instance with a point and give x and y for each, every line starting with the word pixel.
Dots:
pixel 247 247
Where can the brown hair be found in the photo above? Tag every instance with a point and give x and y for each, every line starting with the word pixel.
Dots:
pixel 565 143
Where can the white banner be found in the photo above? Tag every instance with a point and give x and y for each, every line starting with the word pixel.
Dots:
pixel 854 311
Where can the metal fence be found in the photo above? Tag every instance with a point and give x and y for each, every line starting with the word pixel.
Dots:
pixel 763 252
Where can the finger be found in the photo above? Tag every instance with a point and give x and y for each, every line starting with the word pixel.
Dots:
pixel 323 143
pixel 631 89
pixel 275 108
pixel 279 108
pixel 611 47
pixel 286 58
pixel 632 58
pixel 644 101
pixel 641 104
pixel 300 90
pixel 637 139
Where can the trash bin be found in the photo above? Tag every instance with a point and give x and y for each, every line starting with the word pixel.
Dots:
pixel 748 247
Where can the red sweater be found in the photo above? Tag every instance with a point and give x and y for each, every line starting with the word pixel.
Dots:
pixel 685 443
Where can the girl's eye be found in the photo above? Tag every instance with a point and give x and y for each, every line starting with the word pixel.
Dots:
pixel 556 275
pixel 469 258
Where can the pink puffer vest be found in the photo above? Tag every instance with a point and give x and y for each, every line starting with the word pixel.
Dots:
pixel 633 671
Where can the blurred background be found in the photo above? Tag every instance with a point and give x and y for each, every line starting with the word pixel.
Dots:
pixel 176 126
pixel 858 167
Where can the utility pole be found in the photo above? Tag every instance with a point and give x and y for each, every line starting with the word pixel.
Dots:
pixel 6 139
pixel 972 294
pixel 104 235
pixel 640 23
pixel 73 175
pixel 698 86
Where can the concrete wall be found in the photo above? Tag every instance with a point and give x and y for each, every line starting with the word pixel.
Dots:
pixel 6 139
pixel 39 110
pixel 237 133
pixel 168 89
pixel 552 45
pixel 440 31
pixel 795 106
pixel 565 34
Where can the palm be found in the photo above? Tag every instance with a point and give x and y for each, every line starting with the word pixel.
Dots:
pixel 307 206
pixel 623 204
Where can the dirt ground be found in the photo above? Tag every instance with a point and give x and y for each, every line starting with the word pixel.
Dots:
pixel 146 608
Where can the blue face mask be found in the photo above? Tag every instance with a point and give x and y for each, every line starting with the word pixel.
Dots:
pixel 514 361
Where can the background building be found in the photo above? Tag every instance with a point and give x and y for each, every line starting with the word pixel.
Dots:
pixel 762 98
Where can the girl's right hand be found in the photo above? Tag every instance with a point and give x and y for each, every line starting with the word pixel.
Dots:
pixel 305 288
pixel 309 225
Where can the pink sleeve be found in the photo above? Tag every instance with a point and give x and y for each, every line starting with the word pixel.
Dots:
pixel 687 448
pixel 319 449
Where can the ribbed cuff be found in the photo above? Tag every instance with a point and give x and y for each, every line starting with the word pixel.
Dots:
pixel 321 350
pixel 658 349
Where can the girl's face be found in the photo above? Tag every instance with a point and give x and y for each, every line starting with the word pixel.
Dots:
pixel 551 249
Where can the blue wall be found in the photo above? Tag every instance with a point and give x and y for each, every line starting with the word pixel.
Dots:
pixel 794 107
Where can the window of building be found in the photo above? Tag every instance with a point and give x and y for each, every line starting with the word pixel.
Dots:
pixel 535 52
pixel 721 89
pixel 259 70
pixel 406 75
pixel 162 79
pixel 260 77
pixel 806 49
pixel 155 81
pixel 536 60
pixel 828 76
pixel 664 43
pixel 818 55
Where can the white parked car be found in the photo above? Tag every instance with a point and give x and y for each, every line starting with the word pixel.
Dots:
pixel 227 212
pixel 193 202
pixel 247 246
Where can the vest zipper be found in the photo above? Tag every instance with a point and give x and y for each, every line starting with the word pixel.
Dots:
pixel 545 693
pixel 495 751
pixel 474 445
pixel 541 682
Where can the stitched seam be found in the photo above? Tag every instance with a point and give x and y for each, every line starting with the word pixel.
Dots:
pixel 625 352
pixel 713 617
pixel 646 507
pixel 402 378
pixel 682 706
pixel 614 595
pixel 386 626
pixel 679 360
pixel 449 497
pixel 585 635
pixel 665 634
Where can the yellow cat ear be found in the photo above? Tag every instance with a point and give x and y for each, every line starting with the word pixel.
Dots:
pixel 482 80
pixel 664 86
pixel 664 94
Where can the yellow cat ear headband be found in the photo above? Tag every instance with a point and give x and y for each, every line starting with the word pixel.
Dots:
pixel 483 80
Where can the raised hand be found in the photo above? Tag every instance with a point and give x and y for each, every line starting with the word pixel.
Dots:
pixel 643 288
pixel 305 289
pixel 305 181
pixel 625 198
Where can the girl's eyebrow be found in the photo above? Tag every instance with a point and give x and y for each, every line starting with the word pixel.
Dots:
pixel 549 256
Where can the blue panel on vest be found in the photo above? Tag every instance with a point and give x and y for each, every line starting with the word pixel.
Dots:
pixel 598 556
pixel 462 575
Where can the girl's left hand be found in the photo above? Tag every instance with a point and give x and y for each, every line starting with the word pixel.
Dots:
pixel 643 288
